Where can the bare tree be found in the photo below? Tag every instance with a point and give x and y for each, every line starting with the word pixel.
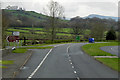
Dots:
pixel 77 26
pixel 55 12
pixel 97 30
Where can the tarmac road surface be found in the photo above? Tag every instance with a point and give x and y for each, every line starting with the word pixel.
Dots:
pixel 65 61
pixel 111 49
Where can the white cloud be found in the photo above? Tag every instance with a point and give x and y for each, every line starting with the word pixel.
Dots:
pixel 72 7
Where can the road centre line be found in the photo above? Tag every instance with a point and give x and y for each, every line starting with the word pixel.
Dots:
pixel 68 49
pixel 75 72
pixel 71 61
pixel 72 66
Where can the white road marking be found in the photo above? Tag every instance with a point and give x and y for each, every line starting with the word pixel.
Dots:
pixel 78 78
pixel 72 66
pixel 39 65
pixel 68 49
pixel 42 62
pixel 75 72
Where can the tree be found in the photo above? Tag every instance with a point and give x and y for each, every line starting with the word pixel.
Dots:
pixel 55 12
pixel 111 35
pixel 77 26
pixel 97 30
pixel 5 24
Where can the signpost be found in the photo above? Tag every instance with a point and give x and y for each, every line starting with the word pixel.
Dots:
pixel 77 38
pixel 14 38
pixel 16 33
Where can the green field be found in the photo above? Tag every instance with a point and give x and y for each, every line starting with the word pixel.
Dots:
pixel 17 30
pixel 93 49
pixel 38 31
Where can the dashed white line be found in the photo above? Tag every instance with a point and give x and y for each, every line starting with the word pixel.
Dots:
pixel 72 66
pixel 71 61
pixel 39 65
pixel 69 57
pixel 75 72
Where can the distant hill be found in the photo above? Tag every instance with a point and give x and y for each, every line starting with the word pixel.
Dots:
pixel 29 14
pixel 21 18
pixel 101 17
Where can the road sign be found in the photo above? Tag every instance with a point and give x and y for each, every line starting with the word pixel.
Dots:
pixel 77 37
pixel 16 33
pixel 13 38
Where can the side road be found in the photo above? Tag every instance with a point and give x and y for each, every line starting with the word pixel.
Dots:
pixel 19 59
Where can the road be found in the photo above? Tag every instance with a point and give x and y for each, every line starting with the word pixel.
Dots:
pixel 65 61
pixel 111 49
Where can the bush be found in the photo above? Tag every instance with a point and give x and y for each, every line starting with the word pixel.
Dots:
pixel 111 35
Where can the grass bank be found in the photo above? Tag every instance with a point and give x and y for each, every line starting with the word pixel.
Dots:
pixel 24 50
pixel 93 49
pixel 111 62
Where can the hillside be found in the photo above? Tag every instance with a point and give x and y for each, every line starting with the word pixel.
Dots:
pixel 21 18
pixel 30 14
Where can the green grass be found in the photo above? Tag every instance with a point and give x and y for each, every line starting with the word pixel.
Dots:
pixel 66 30
pixel 111 62
pixel 24 50
pixel 63 34
pixel 33 28
pixel 3 67
pixel 40 32
pixel 20 50
pixel 93 49
pixel 6 62
pixel 18 30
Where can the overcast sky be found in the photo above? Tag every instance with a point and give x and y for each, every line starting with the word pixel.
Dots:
pixel 72 7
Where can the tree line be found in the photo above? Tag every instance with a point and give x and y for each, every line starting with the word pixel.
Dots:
pixel 55 20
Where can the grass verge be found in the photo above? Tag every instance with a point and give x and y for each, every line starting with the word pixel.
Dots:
pixel 93 49
pixel 111 62
pixel 24 50
pixel 6 62
pixel 3 67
